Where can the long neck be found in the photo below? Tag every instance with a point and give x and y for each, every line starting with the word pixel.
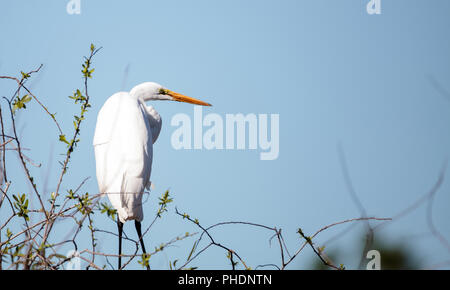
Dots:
pixel 155 121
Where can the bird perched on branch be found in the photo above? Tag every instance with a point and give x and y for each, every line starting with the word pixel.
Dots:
pixel 124 135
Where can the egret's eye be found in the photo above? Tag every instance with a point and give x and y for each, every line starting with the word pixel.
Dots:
pixel 163 91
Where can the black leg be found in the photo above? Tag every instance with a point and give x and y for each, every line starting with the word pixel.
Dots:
pixel 120 228
pixel 138 230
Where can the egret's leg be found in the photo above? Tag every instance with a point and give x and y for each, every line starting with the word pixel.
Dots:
pixel 120 228
pixel 138 230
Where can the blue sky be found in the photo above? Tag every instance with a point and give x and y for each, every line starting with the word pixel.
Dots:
pixel 333 73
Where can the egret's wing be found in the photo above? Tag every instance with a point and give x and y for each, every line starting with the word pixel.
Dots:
pixel 107 118
pixel 123 151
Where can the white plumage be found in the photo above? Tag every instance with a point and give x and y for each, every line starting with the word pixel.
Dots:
pixel 123 142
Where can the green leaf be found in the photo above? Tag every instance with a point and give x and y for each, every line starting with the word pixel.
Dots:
pixel 25 75
pixel 192 250
pixel 62 138
pixel 19 103
pixel 26 98
pixel 8 233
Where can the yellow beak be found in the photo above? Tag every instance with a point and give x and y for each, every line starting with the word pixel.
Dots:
pixel 182 98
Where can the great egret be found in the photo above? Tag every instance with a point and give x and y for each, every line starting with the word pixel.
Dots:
pixel 123 142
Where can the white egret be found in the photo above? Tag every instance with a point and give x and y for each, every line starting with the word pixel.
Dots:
pixel 124 135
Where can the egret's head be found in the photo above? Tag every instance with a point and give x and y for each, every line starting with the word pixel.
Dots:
pixel 152 91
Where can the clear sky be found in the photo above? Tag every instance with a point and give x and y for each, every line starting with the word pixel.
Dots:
pixel 332 72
